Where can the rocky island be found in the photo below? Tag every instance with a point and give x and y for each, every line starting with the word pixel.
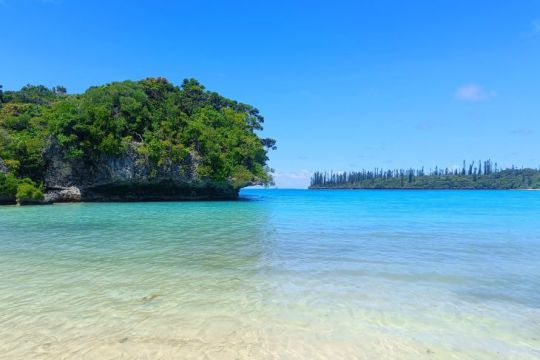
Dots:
pixel 145 140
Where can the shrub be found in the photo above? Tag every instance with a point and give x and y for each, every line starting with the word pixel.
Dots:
pixel 8 185
pixel 29 191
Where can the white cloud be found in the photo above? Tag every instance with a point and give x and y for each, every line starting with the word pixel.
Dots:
pixel 473 93
pixel 292 179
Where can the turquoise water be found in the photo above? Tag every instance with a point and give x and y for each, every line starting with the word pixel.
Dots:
pixel 288 274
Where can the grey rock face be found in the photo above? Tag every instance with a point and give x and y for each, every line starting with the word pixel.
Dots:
pixel 126 177
pixel 3 167
pixel 131 167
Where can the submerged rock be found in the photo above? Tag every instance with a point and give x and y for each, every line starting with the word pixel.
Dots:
pixel 151 297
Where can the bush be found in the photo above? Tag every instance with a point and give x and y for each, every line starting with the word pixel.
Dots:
pixel 28 191
pixel 8 186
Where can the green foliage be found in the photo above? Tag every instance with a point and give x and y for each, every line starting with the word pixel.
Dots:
pixel 8 186
pixel 22 133
pixel 161 121
pixel 13 189
pixel 27 190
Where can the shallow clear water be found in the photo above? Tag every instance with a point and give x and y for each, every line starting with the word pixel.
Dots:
pixel 280 274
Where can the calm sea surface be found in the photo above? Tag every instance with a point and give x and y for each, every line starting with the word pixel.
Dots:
pixel 284 274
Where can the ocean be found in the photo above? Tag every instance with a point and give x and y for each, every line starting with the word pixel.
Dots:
pixel 278 274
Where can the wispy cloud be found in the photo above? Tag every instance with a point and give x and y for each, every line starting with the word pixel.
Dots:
pixel 300 174
pixel 523 132
pixel 424 125
pixel 532 31
pixel 535 27
pixel 474 93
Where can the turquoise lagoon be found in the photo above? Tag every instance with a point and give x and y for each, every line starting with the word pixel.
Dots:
pixel 279 274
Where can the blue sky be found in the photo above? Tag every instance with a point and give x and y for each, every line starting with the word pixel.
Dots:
pixel 343 84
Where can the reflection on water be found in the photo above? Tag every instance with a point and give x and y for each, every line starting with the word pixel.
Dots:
pixel 282 274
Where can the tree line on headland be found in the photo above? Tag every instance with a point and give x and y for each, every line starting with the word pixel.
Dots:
pixel 475 175
pixel 164 123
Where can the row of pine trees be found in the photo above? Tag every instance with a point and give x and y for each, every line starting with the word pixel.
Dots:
pixel 471 171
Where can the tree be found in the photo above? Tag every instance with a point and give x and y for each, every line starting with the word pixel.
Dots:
pixel 60 90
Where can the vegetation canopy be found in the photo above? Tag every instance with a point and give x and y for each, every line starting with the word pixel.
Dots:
pixel 163 122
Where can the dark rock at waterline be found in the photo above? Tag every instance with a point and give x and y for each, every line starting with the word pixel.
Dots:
pixel 159 191
pixel 7 200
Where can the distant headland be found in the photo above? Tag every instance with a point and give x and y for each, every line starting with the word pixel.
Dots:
pixel 128 141
pixel 479 175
